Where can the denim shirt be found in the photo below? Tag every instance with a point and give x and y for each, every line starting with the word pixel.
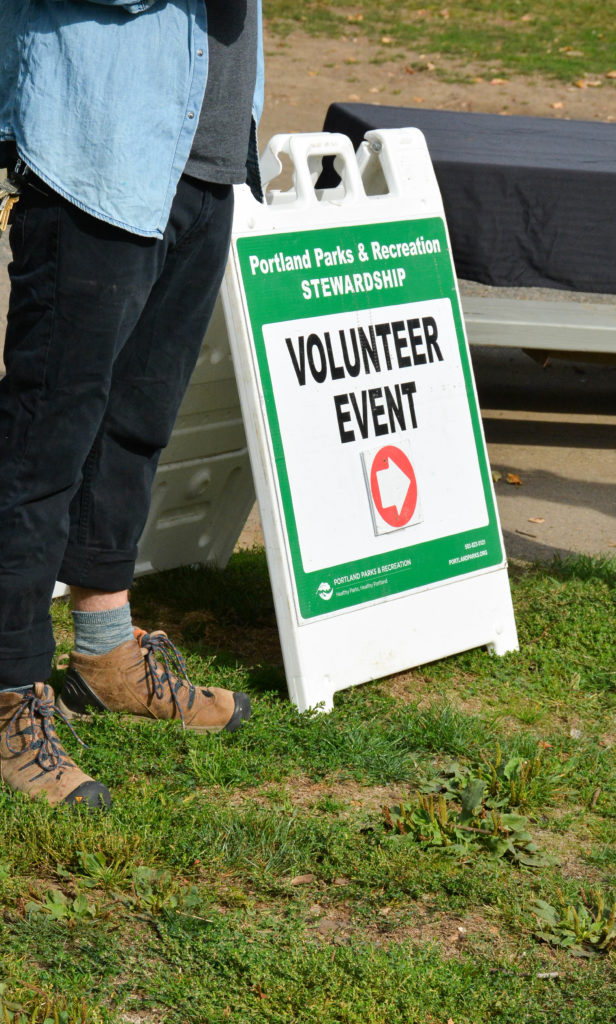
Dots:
pixel 102 98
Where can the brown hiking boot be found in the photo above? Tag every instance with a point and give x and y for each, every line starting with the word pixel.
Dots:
pixel 32 758
pixel 130 679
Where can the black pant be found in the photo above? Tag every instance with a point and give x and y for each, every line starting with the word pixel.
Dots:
pixel 104 329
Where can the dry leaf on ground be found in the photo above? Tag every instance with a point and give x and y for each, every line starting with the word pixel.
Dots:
pixel 513 478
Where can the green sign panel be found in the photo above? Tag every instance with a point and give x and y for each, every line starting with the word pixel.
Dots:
pixel 374 426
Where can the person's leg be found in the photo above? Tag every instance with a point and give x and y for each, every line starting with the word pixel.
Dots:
pixel 77 290
pixel 149 380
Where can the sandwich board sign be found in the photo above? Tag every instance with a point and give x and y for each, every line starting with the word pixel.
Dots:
pixel 363 427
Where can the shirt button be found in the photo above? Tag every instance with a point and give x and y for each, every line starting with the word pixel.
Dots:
pixel 199 53
pixel 191 114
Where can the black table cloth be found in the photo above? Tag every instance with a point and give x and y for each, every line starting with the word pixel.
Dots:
pixel 529 201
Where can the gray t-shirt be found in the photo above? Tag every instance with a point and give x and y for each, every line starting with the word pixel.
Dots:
pixel 220 146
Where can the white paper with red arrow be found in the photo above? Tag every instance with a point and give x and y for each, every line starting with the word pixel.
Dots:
pixel 392 487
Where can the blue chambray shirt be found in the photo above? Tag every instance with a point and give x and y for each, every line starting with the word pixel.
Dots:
pixel 102 98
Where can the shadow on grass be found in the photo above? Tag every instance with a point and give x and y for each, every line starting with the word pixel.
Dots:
pixel 224 615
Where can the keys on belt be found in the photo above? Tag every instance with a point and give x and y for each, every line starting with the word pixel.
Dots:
pixel 9 195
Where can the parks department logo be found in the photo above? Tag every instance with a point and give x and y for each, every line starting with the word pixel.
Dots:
pixel 325 592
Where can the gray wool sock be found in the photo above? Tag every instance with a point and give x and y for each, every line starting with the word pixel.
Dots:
pixel 100 632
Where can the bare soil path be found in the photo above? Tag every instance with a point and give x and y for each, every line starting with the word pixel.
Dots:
pixel 305 74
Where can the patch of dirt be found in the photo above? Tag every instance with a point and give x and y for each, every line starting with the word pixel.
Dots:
pixel 141 1018
pixel 306 793
pixel 569 850
pixel 455 934
pixel 413 688
pixel 304 74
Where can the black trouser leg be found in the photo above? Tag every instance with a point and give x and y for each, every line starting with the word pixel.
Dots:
pixel 104 329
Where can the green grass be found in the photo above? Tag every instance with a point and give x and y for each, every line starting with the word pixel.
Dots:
pixel 251 877
pixel 565 40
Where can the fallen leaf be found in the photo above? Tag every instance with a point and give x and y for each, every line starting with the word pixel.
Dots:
pixel 409 70
pixel 478 79
pixel 313 74
pixel 302 880
pixel 558 105
pixel 581 83
pixel 527 17
pixel 536 519
pixel 610 74
pixel 355 17
pixel 513 478
pixel 341 881
pixel 374 88
pixel 445 13
pixel 386 40
pixel 496 475
pixel 354 97
pixel 498 81
pixel 594 83
pixel 418 99
pixel 430 66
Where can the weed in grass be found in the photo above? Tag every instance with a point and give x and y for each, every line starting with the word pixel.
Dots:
pixel 157 890
pixel 584 928
pixel 61 908
pixel 24 1007
pixel 482 820
pixel 508 782
pixel 106 870
pixel 430 821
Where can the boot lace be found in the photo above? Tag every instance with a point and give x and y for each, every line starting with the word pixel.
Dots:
pixel 49 754
pixel 170 671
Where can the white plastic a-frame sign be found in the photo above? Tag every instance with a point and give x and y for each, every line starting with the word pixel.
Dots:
pixel 380 524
